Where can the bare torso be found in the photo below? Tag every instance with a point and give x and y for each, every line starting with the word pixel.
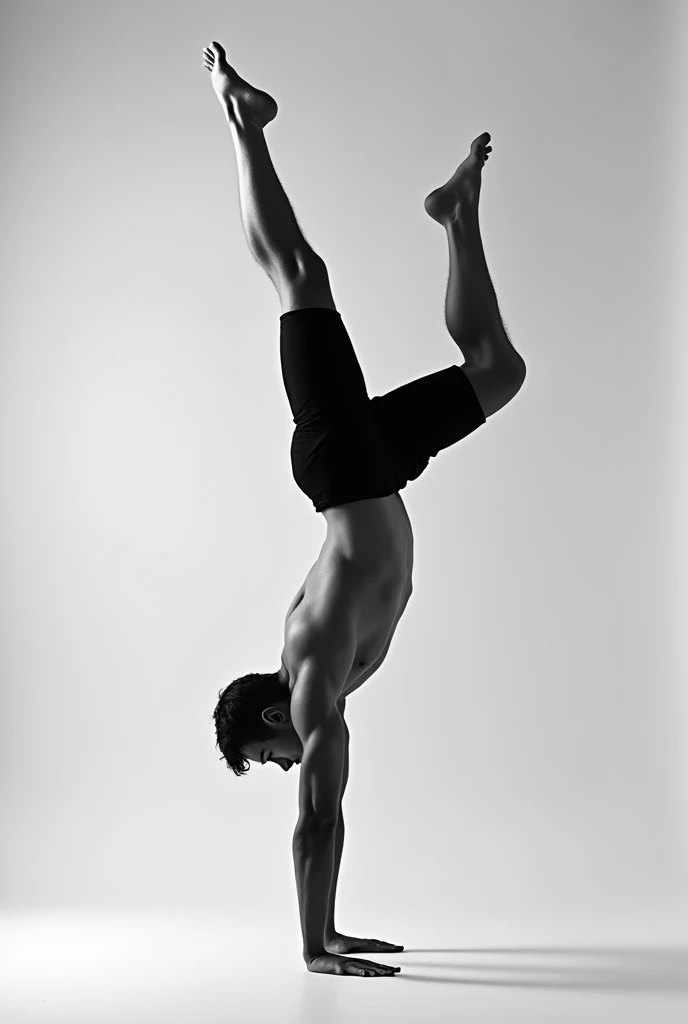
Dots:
pixel 363 573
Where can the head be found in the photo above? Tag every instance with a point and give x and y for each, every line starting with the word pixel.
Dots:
pixel 253 723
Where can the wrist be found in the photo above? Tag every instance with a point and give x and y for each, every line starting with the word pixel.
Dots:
pixel 309 955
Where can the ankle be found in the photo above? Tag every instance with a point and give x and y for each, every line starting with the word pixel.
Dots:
pixel 238 118
pixel 463 224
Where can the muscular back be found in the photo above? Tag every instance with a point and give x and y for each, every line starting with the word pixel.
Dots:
pixel 336 600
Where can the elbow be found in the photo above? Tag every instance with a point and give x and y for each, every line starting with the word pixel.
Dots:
pixel 314 824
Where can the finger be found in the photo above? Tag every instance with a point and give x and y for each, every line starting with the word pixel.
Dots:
pixel 359 971
pixel 377 946
pixel 384 967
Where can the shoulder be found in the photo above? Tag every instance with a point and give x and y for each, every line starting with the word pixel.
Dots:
pixel 316 693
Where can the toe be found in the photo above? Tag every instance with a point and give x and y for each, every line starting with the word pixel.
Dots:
pixel 480 143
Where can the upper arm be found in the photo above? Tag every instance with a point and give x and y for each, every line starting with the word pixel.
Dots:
pixel 318 722
pixel 324 649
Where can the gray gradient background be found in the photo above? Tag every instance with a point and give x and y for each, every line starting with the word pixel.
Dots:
pixel 523 748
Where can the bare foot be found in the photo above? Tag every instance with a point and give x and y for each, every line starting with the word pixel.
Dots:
pixel 240 100
pixel 459 197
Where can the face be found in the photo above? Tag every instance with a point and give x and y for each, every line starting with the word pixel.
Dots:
pixel 284 746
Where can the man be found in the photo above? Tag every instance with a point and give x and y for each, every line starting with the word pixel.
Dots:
pixel 351 455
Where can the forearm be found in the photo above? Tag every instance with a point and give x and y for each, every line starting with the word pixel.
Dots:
pixel 313 849
pixel 338 846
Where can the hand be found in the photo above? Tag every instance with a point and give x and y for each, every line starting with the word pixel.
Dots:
pixel 338 943
pixel 330 963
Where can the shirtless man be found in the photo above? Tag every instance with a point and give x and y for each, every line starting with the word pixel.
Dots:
pixel 351 455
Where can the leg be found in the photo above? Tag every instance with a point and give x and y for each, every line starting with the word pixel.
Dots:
pixel 272 232
pixel 494 367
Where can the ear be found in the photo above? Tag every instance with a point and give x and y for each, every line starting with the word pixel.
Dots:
pixel 273 716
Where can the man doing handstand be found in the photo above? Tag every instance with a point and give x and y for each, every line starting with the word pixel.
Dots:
pixel 351 455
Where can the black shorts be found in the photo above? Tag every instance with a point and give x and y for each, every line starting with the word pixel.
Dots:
pixel 347 446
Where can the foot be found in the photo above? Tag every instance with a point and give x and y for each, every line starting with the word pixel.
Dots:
pixel 459 197
pixel 240 100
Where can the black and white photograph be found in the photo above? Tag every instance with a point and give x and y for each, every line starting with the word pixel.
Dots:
pixel 343 373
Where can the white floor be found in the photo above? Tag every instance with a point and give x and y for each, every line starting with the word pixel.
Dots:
pixel 193 969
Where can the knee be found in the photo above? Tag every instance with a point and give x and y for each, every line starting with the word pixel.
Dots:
pixel 514 377
pixel 519 373
pixel 496 385
pixel 303 264
pixel 309 263
pixel 293 265
pixel 307 284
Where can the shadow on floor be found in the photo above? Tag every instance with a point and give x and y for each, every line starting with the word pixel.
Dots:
pixel 645 969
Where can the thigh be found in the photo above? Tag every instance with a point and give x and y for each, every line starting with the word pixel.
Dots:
pixel 419 419
pixel 321 373
pixel 337 452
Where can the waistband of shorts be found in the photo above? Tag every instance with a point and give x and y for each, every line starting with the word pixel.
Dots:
pixel 347 499
pixel 311 310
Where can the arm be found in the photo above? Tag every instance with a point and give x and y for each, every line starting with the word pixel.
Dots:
pixel 313 850
pixel 330 930
pixel 319 723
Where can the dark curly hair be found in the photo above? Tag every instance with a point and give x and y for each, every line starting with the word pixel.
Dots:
pixel 238 715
